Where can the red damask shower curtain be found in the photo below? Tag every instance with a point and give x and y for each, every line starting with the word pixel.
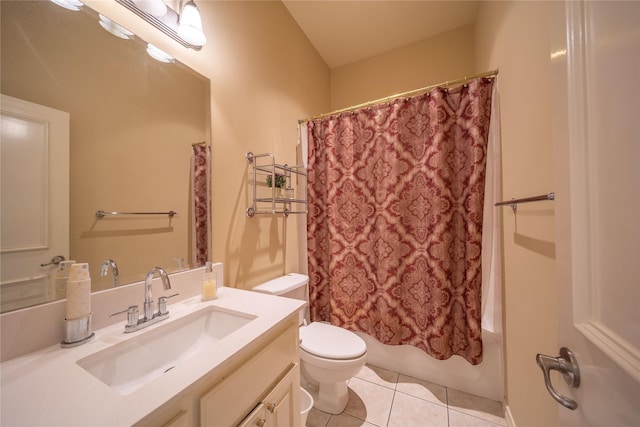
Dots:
pixel 395 219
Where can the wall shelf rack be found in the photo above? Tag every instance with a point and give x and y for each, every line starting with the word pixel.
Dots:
pixel 269 199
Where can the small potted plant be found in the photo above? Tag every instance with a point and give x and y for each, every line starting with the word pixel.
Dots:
pixel 280 183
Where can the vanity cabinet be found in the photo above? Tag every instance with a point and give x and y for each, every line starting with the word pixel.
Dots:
pixel 258 388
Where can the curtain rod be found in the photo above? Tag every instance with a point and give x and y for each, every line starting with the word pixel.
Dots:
pixel 401 95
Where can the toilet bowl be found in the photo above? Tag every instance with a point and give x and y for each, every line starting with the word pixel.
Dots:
pixel 329 355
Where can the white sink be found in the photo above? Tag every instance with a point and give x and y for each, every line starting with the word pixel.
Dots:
pixel 127 366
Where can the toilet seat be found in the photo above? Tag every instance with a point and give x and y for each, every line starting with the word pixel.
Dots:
pixel 331 342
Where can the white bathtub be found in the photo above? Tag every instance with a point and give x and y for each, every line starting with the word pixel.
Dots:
pixel 483 380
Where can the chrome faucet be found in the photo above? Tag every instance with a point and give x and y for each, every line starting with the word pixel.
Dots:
pixel 148 300
pixel 135 323
pixel 114 271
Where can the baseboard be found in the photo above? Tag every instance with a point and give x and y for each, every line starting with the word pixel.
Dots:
pixel 508 417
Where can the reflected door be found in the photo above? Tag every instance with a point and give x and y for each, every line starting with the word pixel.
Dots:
pixel 34 201
pixel 595 66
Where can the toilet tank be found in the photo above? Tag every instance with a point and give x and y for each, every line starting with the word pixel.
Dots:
pixel 293 285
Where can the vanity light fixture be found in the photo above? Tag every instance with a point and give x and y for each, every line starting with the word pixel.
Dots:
pixel 190 36
pixel 74 5
pixel 190 24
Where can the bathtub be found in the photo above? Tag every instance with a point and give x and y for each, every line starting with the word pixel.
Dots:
pixel 484 379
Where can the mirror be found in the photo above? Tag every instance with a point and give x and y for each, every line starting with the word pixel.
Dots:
pixel 133 121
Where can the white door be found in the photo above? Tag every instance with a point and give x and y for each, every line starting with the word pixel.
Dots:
pixel 595 72
pixel 34 201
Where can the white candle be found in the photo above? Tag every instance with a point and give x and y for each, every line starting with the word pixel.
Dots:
pixel 209 289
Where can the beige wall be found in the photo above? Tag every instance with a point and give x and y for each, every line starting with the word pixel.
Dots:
pixel 514 37
pixel 447 56
pixel 265 76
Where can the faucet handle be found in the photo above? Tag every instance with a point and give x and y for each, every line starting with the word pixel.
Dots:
pixel 162 304
pixel 132 315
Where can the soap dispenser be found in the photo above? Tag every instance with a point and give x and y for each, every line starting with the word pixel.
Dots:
pixel 209 285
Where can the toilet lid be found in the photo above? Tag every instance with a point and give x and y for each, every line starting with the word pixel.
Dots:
pixel 331 342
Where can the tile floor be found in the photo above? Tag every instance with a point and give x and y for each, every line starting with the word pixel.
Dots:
pixel 383 398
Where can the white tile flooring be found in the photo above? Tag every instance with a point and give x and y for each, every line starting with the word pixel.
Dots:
pixel 383 398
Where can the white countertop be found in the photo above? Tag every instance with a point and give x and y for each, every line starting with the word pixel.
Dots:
pixel 48 388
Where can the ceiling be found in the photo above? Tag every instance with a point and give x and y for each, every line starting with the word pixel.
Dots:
pixel 345 31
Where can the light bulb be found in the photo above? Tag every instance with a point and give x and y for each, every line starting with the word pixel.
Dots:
pixel 159 54
pixel 69 4
pixel 115 29
pixel 190 25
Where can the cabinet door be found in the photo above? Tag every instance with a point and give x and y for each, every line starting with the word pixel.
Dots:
pixel 283 402
pixel 229 400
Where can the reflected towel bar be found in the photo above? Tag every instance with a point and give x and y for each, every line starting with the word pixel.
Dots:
pixel 514 202
pixel 101 214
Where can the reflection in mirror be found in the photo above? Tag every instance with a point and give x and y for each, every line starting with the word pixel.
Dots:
pixel 132 123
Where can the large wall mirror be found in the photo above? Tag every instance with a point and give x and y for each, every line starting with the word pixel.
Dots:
pixel 132 123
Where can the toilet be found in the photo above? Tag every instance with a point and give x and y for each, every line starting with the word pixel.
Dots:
pixel 329 355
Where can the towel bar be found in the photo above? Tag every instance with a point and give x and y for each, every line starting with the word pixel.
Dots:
pixel 101 214
pixel 514 202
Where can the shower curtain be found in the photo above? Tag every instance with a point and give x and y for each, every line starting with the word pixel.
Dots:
pixel 201 209
pixel 394 228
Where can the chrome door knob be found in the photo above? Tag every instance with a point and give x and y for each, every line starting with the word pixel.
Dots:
pixel 567 365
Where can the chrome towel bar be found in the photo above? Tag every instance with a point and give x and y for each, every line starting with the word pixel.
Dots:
pixel 101 214
pixel 514 202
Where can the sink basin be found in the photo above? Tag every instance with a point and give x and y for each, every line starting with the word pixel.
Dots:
pixel 127 366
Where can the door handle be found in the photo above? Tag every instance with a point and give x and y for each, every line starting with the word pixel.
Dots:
pixel 54 261
pixel 567 365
